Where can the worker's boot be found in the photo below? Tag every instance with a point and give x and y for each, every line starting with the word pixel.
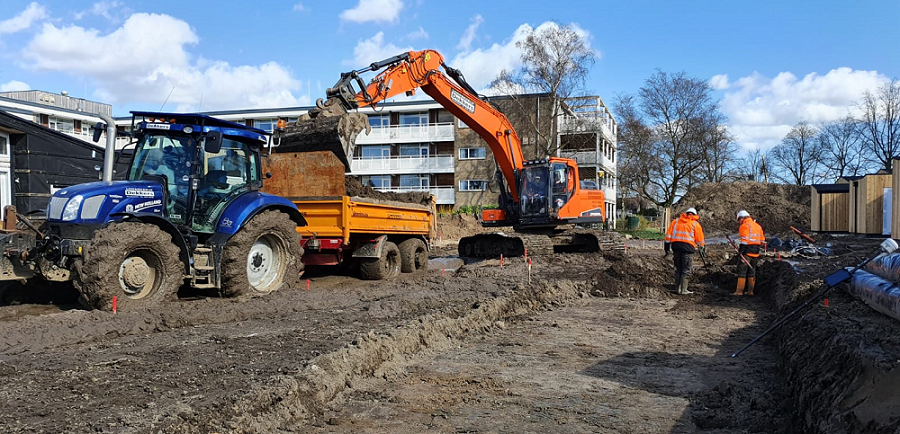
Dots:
pixel 683 288
pixel 751 282
pixel 742 282
pixel 677 289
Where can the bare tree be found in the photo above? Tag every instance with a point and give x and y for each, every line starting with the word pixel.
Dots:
pixel 753 167
pixel 556 60
pixel 880 122
pixel 717 149
pixel 799 155
pixel 662 132
pixel 841 143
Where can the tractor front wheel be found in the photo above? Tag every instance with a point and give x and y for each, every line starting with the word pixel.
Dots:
pixel 136 263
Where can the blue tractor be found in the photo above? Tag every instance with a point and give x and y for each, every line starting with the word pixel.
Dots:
pixel 190 211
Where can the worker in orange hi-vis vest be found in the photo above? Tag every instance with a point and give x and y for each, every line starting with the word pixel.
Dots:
pixel 685 237
pixel 752 239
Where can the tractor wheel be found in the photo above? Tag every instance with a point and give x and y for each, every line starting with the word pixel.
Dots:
pixel 413 255
pixel 135 262
pixel 384 267
pixel 263 256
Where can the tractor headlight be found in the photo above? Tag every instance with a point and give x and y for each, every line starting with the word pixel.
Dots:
pixel 70 212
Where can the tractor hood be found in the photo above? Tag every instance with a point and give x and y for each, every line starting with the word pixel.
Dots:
pixel 94 202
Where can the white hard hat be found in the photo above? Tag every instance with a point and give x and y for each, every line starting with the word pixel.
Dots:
pixel 691 211
pixel 742 214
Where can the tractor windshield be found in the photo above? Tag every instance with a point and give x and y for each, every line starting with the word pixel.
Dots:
pixel 166 159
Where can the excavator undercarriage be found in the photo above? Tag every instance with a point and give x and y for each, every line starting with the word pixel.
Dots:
pixel 547 242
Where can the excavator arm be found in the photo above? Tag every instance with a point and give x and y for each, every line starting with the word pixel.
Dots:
pixel 407 72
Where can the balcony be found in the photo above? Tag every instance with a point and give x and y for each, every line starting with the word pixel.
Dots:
pixel 407 134
pixel 586 158
pixel 583 124
pixel 442 195
pixel 402 165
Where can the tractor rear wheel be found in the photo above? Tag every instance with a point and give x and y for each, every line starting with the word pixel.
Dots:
pixel 263 256
pixel 136 263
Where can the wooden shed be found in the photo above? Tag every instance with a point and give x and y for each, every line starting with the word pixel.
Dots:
pixel 895 199
pixel 830 207
pixel 867 203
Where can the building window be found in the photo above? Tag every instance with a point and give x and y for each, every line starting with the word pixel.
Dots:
pixel 471 153
pixel 4 145
pixel 473 185
pixel 414 181
pixel 265 124
pixel 379 121
pixel 62 125
pixel 414 150
pixel 374 152
pixel 461 124
pixel 377 181
pixel 418 118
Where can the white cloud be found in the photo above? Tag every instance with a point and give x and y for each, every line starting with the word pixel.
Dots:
pixel 719 82
pixel 372 50
pixel 418 34
pixel 13 86
pixel 299 7
pixel 104 9
pixel 465 42
pixel 34 12
pixel 374 11
pixel 761 111
pixel 146 58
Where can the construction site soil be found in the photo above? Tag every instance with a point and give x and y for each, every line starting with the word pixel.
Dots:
pixel 776 207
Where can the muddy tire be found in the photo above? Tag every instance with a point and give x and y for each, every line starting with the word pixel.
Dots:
pixel 385 267
pixel 135 262
pixel 262 257
pixel 413 255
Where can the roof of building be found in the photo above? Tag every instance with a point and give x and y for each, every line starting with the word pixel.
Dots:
pixel 831 188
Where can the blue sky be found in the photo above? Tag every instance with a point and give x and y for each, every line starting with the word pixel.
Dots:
pixel 773 63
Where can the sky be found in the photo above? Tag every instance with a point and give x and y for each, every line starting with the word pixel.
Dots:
pixel 771 63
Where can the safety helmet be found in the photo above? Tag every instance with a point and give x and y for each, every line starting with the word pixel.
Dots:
pixel 741 214
pixel 691 211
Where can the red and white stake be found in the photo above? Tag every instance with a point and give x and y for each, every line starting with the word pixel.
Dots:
pixel 114 304
pixel 501 260
pixel 307 284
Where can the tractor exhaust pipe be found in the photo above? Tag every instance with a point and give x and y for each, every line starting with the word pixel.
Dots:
pixel 109 157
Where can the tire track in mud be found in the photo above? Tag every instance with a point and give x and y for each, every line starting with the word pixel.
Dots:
pixel 295 397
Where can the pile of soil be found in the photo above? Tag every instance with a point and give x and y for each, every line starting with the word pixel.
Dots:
pixel 456 226
pixel 776 207
pixel 633 276
pixel 356 188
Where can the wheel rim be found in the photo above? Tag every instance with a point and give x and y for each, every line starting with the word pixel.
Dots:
pixel 139 274
pixel 264 262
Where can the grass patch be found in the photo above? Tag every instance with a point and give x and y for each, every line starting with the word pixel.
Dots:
pixel 646 234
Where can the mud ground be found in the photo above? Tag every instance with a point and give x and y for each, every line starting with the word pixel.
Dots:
pixel 582 343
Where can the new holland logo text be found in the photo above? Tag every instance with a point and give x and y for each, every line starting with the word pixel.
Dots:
pixel 462 101
pixel 139 192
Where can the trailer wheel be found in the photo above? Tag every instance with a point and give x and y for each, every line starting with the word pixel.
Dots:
pixel 413 255
pixel 263 256
pixel 135 262
pixel 385 267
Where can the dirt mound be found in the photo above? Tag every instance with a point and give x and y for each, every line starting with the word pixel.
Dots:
pixel 776 207
pixel 637 276
pixel 356 188
pixel 456 226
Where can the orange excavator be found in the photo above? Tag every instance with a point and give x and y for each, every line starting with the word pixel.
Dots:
pixel 541 199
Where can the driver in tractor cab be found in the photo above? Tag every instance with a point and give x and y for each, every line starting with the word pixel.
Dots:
pixel 154 165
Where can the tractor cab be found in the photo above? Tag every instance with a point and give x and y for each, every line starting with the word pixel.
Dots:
pixel 201 163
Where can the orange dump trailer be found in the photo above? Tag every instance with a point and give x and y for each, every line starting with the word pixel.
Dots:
pixel 381 238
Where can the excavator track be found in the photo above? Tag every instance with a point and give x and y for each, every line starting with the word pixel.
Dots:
pixel 493 245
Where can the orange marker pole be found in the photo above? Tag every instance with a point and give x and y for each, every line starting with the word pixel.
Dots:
pixel 114 304
pixel 307 284
pixel 826 302
pixel 443 271
pixel 501 260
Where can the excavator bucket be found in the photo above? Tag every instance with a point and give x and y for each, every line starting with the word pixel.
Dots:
pixel 336 133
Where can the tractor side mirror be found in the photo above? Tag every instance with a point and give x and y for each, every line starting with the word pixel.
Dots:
pixel 213 142
pixel 98 130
